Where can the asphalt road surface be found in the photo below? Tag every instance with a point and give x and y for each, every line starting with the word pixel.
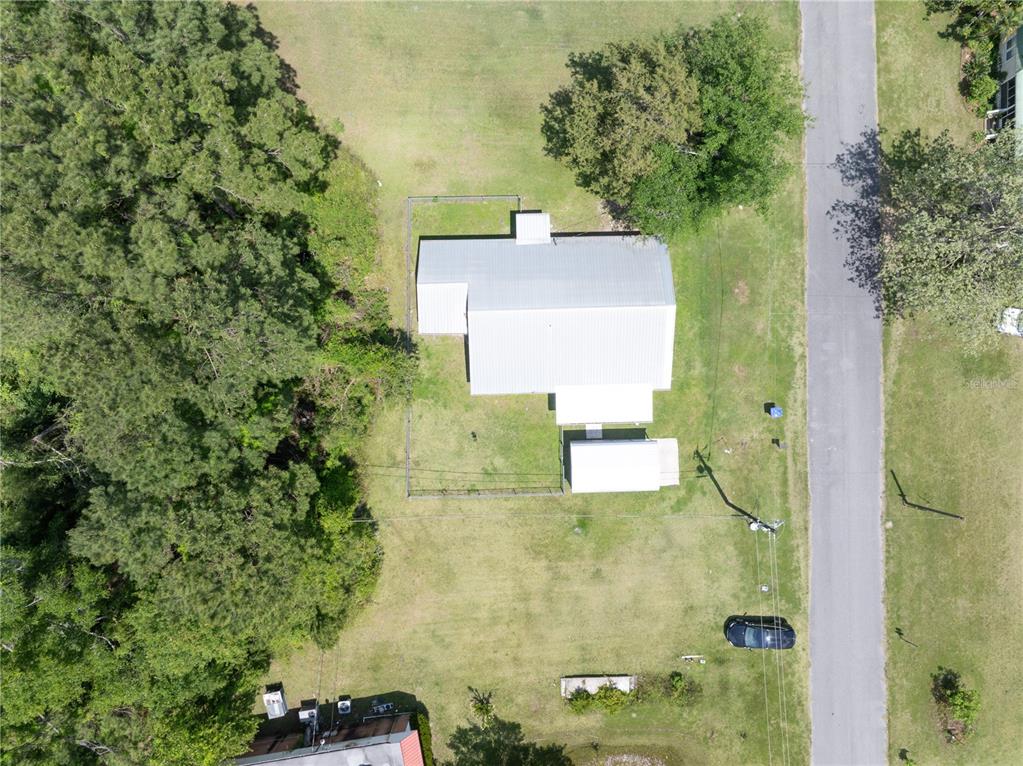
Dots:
pixel 847 639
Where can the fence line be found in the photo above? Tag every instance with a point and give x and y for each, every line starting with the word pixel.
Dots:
pixel 440 493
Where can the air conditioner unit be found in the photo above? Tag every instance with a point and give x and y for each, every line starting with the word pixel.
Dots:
pixel 273 699
pixel 308 712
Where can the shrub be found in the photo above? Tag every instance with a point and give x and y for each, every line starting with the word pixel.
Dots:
pixel 683 689
pixel 425 738
pixel 959 706
pixel 482 706
pixel 612 699
pixel 580 700
pixel 608 697
pixel 978 86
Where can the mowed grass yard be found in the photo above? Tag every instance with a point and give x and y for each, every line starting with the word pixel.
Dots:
pixel 509 594
pixel 953 424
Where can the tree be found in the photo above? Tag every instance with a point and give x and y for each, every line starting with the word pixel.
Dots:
pixel 501 743
pixel 674 129
pixel 191 353
pixel 977 19
pixel 623 103
pixel 482 706
pixel 153 234
pixel 951 236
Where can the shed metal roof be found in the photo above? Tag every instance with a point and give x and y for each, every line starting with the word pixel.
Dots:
pixel 628 465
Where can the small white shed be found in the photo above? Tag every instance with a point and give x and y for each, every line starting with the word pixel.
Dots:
pixel 592 684
pixel 623 465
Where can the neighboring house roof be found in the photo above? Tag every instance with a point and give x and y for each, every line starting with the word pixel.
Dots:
pixel 579 310
pixel 626 465
pixel 388 741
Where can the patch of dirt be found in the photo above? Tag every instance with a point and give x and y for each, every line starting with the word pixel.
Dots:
pixel 740 372
pixel 741 292
pixel 425 165
pixel 626 759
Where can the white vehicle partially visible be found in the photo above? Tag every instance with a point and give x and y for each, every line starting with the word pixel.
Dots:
pixel 1012 322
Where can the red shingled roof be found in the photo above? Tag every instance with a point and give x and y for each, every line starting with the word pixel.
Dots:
pixel 411 752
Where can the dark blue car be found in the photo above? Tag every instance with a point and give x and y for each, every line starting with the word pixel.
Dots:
pixel 752 632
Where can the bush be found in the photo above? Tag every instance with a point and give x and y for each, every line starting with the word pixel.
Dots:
pixel 608 697
pixel 683 690
pixel 425 738
pixel 482 705
pixel 580 700
pixel 959 706
pixel 978 86
pixel 612 699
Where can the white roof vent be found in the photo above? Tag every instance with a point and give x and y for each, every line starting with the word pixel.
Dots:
pixel 532 228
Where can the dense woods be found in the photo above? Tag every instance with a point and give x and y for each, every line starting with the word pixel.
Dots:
pixel 190 354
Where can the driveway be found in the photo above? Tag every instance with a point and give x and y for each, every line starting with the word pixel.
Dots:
pixel 847 637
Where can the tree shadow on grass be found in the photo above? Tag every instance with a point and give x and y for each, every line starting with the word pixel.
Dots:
pixel 501 742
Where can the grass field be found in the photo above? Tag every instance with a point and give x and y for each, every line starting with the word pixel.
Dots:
pixel 509 594
pixel 953 423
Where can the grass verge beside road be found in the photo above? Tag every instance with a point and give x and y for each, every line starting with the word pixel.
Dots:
pixel 510 594
pixel 953 420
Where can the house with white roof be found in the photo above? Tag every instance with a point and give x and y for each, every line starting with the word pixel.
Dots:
pixel 589 318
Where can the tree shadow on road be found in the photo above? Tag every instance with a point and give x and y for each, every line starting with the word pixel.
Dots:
pixel 857 217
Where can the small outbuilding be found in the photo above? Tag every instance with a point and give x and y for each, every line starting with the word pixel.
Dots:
pixel 592 684
pixel 623 465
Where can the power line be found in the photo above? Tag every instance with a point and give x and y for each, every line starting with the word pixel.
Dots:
pixel 560 516
pixel 773 550
pixel 763 657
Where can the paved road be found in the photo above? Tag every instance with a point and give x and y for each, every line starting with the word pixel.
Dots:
pixel 847 638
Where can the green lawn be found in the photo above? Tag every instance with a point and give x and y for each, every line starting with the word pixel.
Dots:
pixel 509 594
pixel 953 424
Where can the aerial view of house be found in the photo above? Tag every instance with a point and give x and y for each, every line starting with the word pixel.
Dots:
pixel 511 382
pixel 587 318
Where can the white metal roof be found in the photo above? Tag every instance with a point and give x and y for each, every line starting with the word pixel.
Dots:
pixel 627 403
pixel 532 228
pixel 590 271
pixel 529 352
pixel 441 308
pixel 579 310
pixel 629 465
